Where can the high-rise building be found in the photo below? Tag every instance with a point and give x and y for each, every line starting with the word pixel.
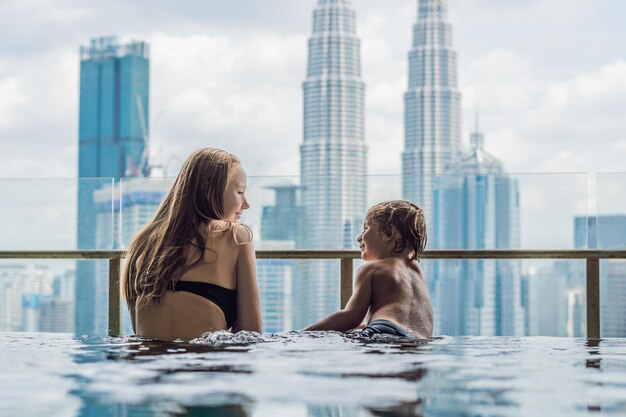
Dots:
pixel 576 313
pixel 432 107
pixel 607 232
pixel 476 206
pixel 279 223
pixel 20 288
pixel 333 155
pixel 113 127
pixel 547 302
pixel 135 202
pixel 276 277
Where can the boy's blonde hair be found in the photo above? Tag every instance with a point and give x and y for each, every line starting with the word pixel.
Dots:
pixel 407 218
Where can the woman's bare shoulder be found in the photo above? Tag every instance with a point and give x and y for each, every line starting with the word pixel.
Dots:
pixel 242 234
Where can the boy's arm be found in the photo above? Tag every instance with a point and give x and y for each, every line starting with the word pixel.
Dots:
pixel 351 316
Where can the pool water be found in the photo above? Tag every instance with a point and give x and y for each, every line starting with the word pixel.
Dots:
pixel 310 374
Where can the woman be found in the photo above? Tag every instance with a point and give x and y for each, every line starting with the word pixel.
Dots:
pixel 192 269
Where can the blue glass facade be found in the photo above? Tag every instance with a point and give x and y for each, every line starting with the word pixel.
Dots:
pixel 476 206
pixel 113 126
pixel 279 223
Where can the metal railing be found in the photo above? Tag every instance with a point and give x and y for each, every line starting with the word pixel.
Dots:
pixel 346 258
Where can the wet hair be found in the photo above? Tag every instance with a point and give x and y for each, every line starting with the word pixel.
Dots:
pixel 157 254
pixel 407 218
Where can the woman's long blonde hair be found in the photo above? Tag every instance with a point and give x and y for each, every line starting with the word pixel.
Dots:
pixel 157 254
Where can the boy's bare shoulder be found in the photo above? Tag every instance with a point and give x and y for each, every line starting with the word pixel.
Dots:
pixel 378 268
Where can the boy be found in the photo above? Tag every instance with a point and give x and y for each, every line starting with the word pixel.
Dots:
pixel 390 284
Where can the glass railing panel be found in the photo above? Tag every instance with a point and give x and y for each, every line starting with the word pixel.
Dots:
pixel 136 202
pixel 294 293
pixel 54 295
pixel 92 214
pixel 554 298
pixel 497 211
pixel 274 218
pixel 607 230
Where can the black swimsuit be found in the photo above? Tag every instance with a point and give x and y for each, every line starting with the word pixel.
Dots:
pixel 224 298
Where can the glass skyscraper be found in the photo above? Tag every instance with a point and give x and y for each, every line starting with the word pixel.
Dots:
pixel 134 202
pixel 113 126
pixel 476 206
pixel 432 105
pixel 333 156
pixel 279 223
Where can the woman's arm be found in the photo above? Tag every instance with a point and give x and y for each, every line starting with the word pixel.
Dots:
pixel 248 300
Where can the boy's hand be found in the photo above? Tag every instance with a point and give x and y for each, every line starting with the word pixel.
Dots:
pixel 352 316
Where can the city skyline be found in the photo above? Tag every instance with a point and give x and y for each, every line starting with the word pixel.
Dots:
pixel 328 83
pixel 530 98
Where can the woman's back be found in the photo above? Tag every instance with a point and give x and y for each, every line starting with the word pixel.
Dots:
pixel 205 298
pixel 192 269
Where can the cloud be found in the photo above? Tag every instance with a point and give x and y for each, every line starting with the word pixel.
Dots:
pixel 213 91
pixel 536 123
pixel 38 107
pixel 229 74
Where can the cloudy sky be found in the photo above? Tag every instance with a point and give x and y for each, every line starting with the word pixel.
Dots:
pixel 547 77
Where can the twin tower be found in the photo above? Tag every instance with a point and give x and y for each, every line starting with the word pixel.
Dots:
pixel 333 152
pixel 469 203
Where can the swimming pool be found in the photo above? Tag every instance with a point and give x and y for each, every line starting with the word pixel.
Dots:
pixel 310 374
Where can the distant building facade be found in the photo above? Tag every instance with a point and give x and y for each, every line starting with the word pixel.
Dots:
pixel 135 202
pixel 476 206
pixel 20 288
pixel 607 232
pixel 333 156
pixel 113 125
pixel 279 224
pixel 547 313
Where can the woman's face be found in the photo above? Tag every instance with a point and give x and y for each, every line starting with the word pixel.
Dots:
pixel 235 201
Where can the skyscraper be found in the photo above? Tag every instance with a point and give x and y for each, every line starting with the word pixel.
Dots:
pixel 333 155
pixel 113 125
pixel 279 223
pixel 17 283
pixel 432 106
pixel 135 202
pixel 476 206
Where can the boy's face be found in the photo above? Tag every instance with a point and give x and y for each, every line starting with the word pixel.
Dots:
pixel 373 242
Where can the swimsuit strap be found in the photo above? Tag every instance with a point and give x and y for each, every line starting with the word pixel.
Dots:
pixel 224 298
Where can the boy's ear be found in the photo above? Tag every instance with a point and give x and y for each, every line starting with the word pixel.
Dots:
pixel 391 231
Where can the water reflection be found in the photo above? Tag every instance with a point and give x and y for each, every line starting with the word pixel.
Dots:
pixel 298 375
pixel 404 409
pixel 162 410
pixel 593 348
